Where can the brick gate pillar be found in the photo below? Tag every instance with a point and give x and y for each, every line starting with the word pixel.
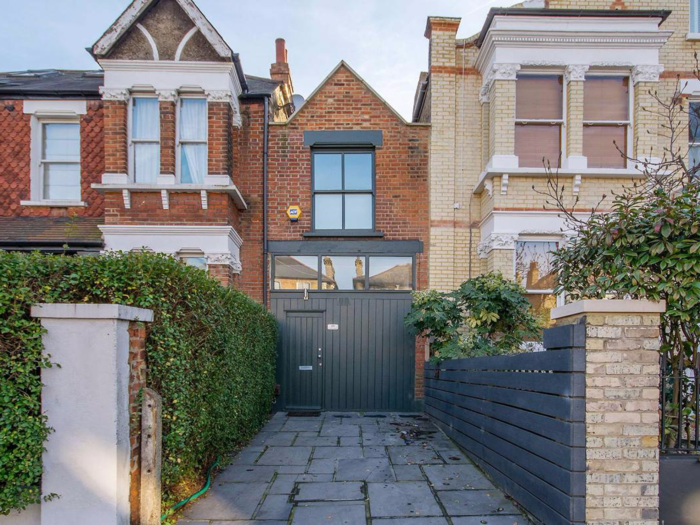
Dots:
pixel 622 408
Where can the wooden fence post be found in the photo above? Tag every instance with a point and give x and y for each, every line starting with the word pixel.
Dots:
pixel 151 437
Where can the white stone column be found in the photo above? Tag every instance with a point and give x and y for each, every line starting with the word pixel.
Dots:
pixel 86 399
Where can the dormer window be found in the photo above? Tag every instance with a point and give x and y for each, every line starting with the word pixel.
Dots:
pixel 144 145
pixel 192 140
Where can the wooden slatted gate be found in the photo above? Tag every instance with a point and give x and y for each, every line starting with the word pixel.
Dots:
pixel 367 354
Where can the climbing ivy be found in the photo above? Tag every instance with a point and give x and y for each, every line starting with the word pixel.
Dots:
pixel 210 355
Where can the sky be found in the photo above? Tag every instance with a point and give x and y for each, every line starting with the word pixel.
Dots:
pixel 381 39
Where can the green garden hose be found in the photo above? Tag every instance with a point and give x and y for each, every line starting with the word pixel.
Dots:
pixel 193 496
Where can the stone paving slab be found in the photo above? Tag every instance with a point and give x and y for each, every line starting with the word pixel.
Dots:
pixel 285 456
pixel 414 455
pixel 475 502
pixel 491 520
pixel 371 469
pixel 405 499
pixel 228 501
pixel 456 477
pixel 352 469
pixel 330 514
pixel 348 491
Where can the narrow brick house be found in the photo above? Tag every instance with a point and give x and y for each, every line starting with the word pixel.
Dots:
pixel 542 79
pixel 319 211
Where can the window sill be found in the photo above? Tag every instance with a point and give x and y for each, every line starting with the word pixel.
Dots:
pixel 231 189
pixel 692 37
pixel 54 204
pixel 344 233
pixel 490 173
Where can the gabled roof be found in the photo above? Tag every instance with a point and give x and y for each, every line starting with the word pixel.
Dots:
pixel 343 64
pixel 131 15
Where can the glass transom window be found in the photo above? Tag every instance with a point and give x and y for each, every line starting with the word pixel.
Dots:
pixel 343 190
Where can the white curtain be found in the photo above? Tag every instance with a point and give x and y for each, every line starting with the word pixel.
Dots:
pixel 146 130
pixel 193 136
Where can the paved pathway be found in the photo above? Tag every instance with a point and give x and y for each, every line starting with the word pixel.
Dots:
pixel 349 468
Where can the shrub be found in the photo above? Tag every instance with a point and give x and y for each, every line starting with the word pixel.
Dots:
pixel 210 355
pixel 486 315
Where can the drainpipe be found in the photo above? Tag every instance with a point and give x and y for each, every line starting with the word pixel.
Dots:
pixel 265 128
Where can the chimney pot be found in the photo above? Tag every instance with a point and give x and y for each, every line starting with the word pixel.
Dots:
pixel 280 51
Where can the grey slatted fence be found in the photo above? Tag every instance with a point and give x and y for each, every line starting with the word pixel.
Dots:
pixel 521 418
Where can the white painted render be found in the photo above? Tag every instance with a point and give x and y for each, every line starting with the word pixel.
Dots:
pixel 560 41
pixel 609 306
pixel 86 461
pixel 220 244
pixel 60 107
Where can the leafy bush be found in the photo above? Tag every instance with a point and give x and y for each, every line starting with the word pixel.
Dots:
pixel 647 247
pixel 487 315
pixel 210 354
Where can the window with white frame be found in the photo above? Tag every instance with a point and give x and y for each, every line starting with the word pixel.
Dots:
pixel 57 165
pixel 539 119
pixel 193 257
pixel 534 271
pixel 192 140
pixel 606 120
pixel 144 144
pixel 694 136
pixel 695 16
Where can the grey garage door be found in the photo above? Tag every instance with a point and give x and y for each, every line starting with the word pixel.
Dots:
pixel 344 351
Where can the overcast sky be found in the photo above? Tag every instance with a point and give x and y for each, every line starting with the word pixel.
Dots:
pixel 381 39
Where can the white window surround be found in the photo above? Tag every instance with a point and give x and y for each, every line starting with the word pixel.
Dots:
pixel 694 20
pixel 219 244
pixel 38 120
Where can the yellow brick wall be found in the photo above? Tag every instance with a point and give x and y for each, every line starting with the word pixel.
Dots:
pixel 574 118
pixel 502 122
pixel 466 133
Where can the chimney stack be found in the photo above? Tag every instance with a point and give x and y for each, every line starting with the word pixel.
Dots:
pixel 280 69
pixel 280 51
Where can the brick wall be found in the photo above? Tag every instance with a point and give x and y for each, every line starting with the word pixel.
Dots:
pixel 137 382
pixel 622 409
pixel 167 137
pixel 248 176
pixel 15 162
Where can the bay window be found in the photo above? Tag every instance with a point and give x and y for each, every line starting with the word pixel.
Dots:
pixel 343 190
pixel 606 120
pixel 534 272
pixel 59 164
pixel 144 144
pixel 192 140
pixel 539 116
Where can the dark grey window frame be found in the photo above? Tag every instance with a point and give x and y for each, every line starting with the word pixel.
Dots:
pixel 343 192
pixel 367 257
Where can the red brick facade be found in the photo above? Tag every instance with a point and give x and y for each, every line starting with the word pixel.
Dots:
pixel 15 162
pixel 137 382
pixel 344 102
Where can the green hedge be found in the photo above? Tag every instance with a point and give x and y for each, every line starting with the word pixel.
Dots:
pixel 210 354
